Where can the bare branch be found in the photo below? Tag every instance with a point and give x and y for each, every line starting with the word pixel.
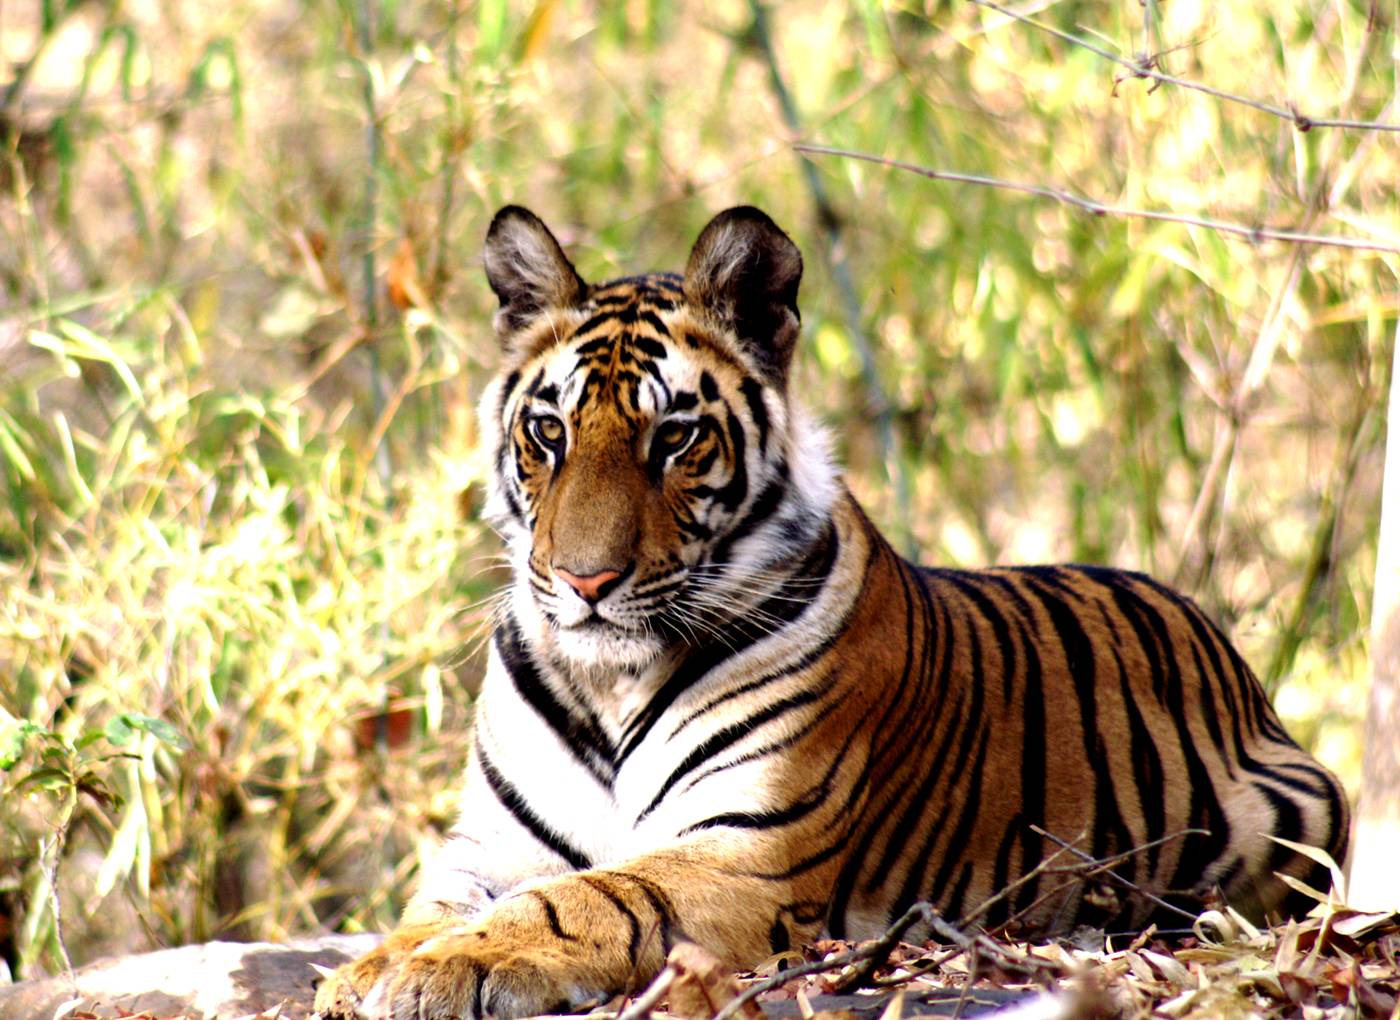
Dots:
pixel 1252 234
pixel 753 991
pixel 1144 66
pixel 1105 868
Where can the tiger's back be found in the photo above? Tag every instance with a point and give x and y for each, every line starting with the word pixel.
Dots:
pixel 1074 706
pixel 719 707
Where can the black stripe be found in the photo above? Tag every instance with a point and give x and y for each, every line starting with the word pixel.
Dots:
pixel 953 905
pixel 551 915
pixel 968 585
pixel 479 1007
pixel 808 658
pixel 733 493
pixel 582 733
pixel 1010 840
pixel 727 737
pixel 779 941
pixel 1035 764
pixel 1211 710
pixel 601 343
pixel 1110 830
pixel 659 904
pixel 753 396
pixel 775 747
pixel 770 819
pixel 634 929
pixel 916 881
pixel 858 790
pixel 971 808
pixel 514 802
pixel 1197 852
pixel 651 348
pixel 916 662
pixel 770 498
pixel 1148 775
pixel 780 610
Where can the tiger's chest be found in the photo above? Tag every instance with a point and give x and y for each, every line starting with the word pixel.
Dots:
pixel 629 768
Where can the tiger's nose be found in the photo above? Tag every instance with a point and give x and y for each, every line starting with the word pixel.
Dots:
pixel 591 587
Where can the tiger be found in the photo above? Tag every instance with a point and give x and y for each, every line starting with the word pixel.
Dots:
pixel 721 708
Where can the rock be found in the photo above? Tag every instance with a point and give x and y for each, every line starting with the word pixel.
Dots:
pixel 213 981
pixel 236 980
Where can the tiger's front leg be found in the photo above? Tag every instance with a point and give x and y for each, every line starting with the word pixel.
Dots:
pixel 565 941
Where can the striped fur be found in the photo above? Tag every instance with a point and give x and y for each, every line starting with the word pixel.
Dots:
pixel 759 723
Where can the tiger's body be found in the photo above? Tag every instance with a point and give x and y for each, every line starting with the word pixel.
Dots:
pixel 719 707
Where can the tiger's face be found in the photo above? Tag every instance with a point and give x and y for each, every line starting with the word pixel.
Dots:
pixel 643 441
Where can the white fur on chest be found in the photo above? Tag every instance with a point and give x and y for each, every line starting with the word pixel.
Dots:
pixel 610 821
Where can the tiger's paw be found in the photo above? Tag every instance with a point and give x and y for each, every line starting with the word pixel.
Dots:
pixel 344 993
pixel 471 974
pixel 460 975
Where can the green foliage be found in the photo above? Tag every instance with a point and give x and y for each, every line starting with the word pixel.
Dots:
pixel 59 772
pixel 242 327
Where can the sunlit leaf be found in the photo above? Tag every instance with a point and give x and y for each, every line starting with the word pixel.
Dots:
pixel 14 733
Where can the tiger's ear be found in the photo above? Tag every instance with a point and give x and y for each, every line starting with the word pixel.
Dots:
pixel 528 270
pixel 745 270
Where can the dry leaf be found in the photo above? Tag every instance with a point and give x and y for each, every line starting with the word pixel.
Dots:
pixel 703 985
pixel 895 1009
pixel 1358 924
pixel 1170 969
pixel 405 285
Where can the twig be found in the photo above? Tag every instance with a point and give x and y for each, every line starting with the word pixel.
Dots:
pixel 49 854
pixel 1209 505
pixel 756 989
pixel 965 993
pixel 881 948
pixel 364 30
pixel 1001 955
pixel 1105 868
pixel 1142 66
pixel 1088 867
pixel 1252 234
pixel 987 904
pixel 878 950
pixel 641 1006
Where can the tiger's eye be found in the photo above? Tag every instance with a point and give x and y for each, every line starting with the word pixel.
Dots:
pixel 548 429
pixel 674 434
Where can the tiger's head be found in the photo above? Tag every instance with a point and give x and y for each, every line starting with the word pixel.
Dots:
pixel 652 476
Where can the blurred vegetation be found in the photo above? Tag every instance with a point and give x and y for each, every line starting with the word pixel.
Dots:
pixel 242 324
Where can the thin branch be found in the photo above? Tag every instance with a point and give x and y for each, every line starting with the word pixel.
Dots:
pixel 1254 235
pixel 642 1005
pixel 1105 868
pixel 1045 865
pixel 1143 66
pixel 880 949
pixel 781 978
